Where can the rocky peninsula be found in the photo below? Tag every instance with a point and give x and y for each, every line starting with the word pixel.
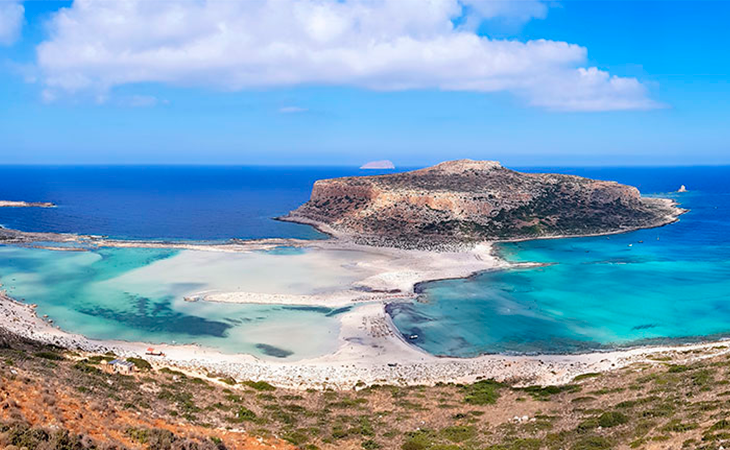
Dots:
pixel 464 202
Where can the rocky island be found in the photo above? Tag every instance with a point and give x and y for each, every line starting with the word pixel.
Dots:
pixel 467 201
pixel 16 204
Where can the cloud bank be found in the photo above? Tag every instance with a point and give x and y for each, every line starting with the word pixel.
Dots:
pixel 389 45
pixel 11 21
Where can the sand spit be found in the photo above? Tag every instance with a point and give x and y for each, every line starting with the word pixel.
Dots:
pixel 370 348
pixel 386 275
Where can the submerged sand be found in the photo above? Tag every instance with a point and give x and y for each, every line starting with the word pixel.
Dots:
pixel 370 349
pixel 370 352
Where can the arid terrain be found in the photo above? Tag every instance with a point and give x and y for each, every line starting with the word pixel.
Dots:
pixel 464 201
pixel 55 399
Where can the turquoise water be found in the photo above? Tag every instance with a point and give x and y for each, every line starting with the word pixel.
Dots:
pixel 597 293
pixel 92 293
pixel 649 286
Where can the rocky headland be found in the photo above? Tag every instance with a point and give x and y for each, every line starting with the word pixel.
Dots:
pixel 465 201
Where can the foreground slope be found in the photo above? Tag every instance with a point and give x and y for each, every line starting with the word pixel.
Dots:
pixel 55 399
pixel 468 201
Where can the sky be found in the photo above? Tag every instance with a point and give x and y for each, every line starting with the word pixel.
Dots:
pixel 343 82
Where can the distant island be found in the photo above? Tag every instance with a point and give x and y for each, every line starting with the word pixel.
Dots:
pixel 465 201
pixel 384 164
pixel 14 204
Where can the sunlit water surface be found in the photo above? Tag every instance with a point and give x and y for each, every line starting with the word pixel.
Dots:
pixel 642 287
pixel 603 292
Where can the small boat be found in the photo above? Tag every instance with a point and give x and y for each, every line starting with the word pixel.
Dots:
pixel 631 245
pixel 413 336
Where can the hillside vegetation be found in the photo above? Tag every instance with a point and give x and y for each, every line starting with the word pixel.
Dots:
pixel 54 399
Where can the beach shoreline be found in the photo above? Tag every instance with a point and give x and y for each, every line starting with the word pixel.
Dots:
pixel 370 352
pixel 370 349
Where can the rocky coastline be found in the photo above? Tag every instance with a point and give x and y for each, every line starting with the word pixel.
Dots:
pixel 458 203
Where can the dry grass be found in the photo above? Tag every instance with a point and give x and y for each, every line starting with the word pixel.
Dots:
pixel 653 406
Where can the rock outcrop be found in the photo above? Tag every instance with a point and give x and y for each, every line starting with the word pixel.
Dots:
pixel 15 204
pixel 467 201
pixel 384 164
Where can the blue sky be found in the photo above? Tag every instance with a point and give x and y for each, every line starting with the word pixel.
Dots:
pixel 81 87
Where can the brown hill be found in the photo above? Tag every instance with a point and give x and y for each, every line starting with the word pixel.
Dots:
pixel 466 201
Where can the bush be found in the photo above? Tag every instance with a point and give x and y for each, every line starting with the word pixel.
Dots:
pixel 586 376
pixel 244 414
pixel 85 368
pixel 53 356
pixel 458 433
pixel 612 419
pixel 370 445
pixel 228 380
pixel 592 443
pixel 259 385
pixel 485 392
pixel 418 440
pixel 140 363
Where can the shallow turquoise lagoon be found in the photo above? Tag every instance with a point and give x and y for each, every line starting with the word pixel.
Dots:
pixel 604 292
pixel 598 293
pixel 106 294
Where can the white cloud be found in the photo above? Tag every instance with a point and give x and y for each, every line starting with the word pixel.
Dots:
pixel 96 45
pixel 140 101
pixel 292 110
pixel 12 15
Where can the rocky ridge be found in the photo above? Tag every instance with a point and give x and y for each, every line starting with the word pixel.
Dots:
pixel 465 201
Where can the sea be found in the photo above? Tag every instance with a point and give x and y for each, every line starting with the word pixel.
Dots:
pixel 668 284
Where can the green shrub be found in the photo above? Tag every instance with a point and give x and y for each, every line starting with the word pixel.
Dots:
pixel 228 380
pixel 676 426
pixel 723 424
pixel 168 371
pixel 140 363
pixel 418 440
pixel 245 414
pixel 458 433
pixel 370 445
pixel 592 443
pixel 83 367
pixel 296 437
pixel 53 356
pixel 259 385
pixel 612 419
pixel 519 444
pixel 586 376
pixel 544 393
pixel 485 392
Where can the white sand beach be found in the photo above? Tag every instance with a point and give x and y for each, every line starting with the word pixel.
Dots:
pixel 370 352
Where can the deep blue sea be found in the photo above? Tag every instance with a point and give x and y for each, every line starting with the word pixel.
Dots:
pixel 666 283
pixel 171 202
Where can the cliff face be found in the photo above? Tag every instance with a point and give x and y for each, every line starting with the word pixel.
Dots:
pixel 467 201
